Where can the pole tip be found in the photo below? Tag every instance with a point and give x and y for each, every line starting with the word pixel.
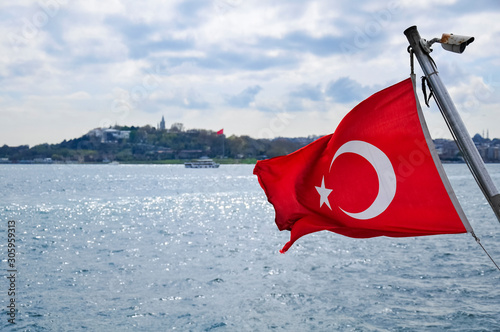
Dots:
pixel 410 29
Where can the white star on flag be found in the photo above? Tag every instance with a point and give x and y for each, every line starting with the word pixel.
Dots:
pixel 324 193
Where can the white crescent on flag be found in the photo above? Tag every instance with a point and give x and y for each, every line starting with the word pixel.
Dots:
pixel 385 174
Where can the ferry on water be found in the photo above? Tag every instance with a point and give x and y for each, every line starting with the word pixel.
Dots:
pixel 203 162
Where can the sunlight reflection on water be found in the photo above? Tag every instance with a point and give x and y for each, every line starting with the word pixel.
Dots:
pixel 161 247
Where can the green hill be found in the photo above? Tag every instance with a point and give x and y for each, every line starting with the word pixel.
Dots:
pixel 148 144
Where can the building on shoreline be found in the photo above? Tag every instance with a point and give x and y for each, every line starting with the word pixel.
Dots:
pixel 488 149
pixel 161 125
pixel 109 135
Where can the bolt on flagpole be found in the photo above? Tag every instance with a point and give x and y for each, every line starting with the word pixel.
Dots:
pixel 457 44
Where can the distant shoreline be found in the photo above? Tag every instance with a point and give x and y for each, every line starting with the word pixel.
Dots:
pixel 225 161
pixel 148 145
pixel 228 161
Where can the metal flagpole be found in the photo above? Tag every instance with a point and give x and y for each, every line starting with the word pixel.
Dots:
pixel 457 44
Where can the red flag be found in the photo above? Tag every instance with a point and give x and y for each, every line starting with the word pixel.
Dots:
pixel 374 176
pixel 220 132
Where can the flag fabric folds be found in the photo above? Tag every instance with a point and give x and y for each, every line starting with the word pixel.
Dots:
pixel 220 132
pixel 377 175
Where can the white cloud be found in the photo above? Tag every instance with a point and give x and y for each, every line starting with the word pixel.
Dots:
pixel 67 68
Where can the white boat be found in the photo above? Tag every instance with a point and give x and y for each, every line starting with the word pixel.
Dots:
pixel 201 163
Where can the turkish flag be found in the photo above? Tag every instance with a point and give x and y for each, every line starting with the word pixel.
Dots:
pixel 220 132
pixel 377 175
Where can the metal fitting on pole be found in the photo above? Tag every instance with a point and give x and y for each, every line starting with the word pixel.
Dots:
pixel 421 49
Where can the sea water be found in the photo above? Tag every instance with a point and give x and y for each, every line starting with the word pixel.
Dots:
pixel 157 248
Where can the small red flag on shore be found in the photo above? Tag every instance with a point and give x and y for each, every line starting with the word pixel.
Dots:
pixel 220 132
pixel 377 175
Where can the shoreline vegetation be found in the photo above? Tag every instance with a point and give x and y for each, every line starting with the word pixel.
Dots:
pixel 150 145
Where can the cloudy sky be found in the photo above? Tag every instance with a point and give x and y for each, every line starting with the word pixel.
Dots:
pixel 258 68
